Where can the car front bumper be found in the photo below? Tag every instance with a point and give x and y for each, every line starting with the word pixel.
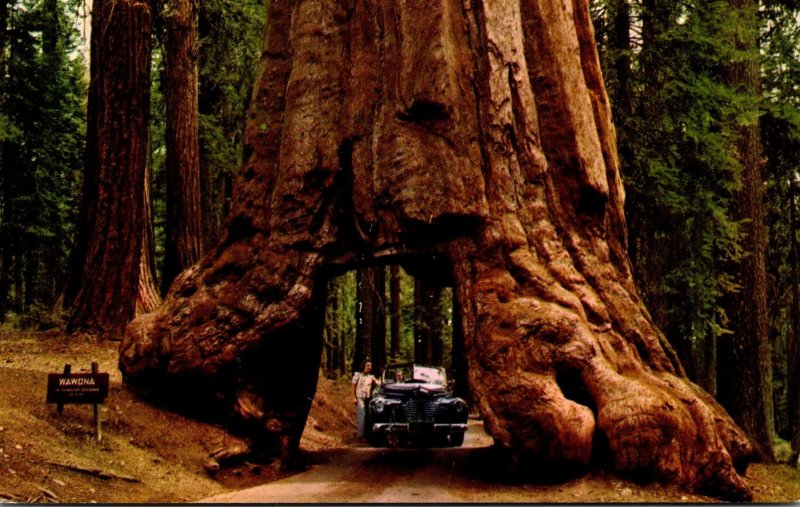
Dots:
pixel 418 427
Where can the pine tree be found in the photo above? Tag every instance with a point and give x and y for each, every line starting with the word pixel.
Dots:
pixel 780 135
pixel 675 147
pixel 232 35
pixel 370 339
pixel 745 385
pixel 42 121
pixel 394 311
pixel 428 323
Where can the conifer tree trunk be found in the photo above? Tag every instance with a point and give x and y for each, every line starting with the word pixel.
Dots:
pixel 90 185
pixel 112 220
pixel 428 323
pixel 5 175
pixel 622 65
pixel 460 364
pixel 341 358
pixel 793 348
pixel 370 317
pixel 394 311
pixel 148 297
pixel 745 367
pixel 476 135
pixel 332 330
pixel 422 345
pixel 184 213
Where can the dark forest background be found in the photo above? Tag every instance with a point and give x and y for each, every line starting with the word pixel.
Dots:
pixel 678 113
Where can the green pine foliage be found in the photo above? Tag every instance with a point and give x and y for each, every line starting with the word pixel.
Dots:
pixel 42 125
pixel 780 132
pixel 675 118
pixel 678 162
pixel 158 154
pixel 340 328
pixel 231 40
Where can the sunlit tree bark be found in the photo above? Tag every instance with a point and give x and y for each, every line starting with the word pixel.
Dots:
pixel 475 137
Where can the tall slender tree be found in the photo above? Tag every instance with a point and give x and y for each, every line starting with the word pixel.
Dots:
pixel 5 132
pixel 370 317
pixel 745 383
pixel 148 296
pixel 780 136
pixel 793 349
pixel 394 311
pixel 183 225
pixel 232 35
pixel 428 322
pixel 40 120
pixel 109 251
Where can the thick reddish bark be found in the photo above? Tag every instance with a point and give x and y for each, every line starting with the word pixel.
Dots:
pixel 112 216
pixel 94 114
pixel 472 142
pixel 183 226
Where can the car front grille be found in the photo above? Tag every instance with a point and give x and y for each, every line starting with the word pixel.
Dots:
pixel 420 410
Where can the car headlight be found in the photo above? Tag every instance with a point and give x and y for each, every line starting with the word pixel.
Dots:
pixel 461 407
pixel 379 405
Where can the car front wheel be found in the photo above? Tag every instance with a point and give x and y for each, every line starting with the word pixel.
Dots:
pixel 456 439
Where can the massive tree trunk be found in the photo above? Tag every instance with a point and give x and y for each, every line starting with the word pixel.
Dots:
pixel 477 136
pixel 745 369
pixel 183 227
pixel 109 251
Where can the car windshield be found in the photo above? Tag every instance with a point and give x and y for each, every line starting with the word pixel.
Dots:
pixel 414 374
pixel 397 373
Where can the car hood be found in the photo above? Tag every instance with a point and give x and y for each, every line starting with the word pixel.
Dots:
pixel 405 389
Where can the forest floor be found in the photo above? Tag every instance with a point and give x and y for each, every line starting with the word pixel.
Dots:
pixel 148 454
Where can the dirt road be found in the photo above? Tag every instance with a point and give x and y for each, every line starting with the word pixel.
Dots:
pixel 447 475
pixel 364 474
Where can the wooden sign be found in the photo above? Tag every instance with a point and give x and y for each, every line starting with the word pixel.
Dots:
pixel 77 387
pixel 70 387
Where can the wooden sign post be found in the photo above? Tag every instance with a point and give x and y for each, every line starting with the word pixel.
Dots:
pixel 83 388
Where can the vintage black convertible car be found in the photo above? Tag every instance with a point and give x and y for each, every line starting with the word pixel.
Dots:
pixel 413 407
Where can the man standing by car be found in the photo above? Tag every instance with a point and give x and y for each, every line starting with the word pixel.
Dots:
pixel 363 384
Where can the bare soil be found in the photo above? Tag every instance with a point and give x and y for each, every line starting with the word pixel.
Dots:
pixel 149 454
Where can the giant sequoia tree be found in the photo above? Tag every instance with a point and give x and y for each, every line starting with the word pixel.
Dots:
pixel 475 136
pixel 108 252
